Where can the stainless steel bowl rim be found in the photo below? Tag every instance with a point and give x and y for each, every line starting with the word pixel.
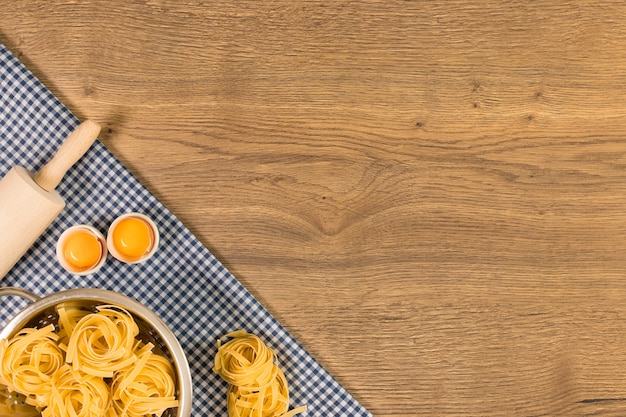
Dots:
pixel 39 304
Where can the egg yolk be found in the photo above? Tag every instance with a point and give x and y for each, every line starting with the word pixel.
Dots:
pixel 132 237
pixel 82 250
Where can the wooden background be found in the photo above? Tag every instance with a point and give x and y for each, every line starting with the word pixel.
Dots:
pixel 429 195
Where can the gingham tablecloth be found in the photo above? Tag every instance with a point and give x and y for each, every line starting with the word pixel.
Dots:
pixel 183 283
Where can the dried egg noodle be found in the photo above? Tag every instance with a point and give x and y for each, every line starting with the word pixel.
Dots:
pixel 257 386
pixel 92 366
pixel 145 389
pixel 77 394
pixel 29 361
pixel 69 316
pixel 102 343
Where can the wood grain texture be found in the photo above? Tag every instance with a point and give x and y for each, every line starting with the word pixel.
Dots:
pixel 429 195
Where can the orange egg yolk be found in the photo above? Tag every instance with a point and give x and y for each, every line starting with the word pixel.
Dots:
pixel 82 250
pixel 132 237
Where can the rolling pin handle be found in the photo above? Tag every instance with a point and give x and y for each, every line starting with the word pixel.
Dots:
pixel 72 149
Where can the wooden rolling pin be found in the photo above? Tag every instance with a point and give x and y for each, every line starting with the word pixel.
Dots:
pixel 29 204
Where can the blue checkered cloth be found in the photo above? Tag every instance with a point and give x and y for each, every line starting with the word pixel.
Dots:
pixel 183 283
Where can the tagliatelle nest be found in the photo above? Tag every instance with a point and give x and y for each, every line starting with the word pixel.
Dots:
pixel 257 386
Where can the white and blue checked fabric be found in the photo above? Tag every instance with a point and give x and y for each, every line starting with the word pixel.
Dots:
pixel 183 283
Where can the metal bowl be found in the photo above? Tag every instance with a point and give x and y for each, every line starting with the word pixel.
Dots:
pixel 42 311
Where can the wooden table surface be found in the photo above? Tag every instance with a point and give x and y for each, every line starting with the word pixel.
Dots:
pixel 429 195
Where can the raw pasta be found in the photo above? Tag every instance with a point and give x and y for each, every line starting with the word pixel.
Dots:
pixel 29 361
pixel 91 365
pixel 145 389
pixel 102 343
pixel 77 394
pixel 257 386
